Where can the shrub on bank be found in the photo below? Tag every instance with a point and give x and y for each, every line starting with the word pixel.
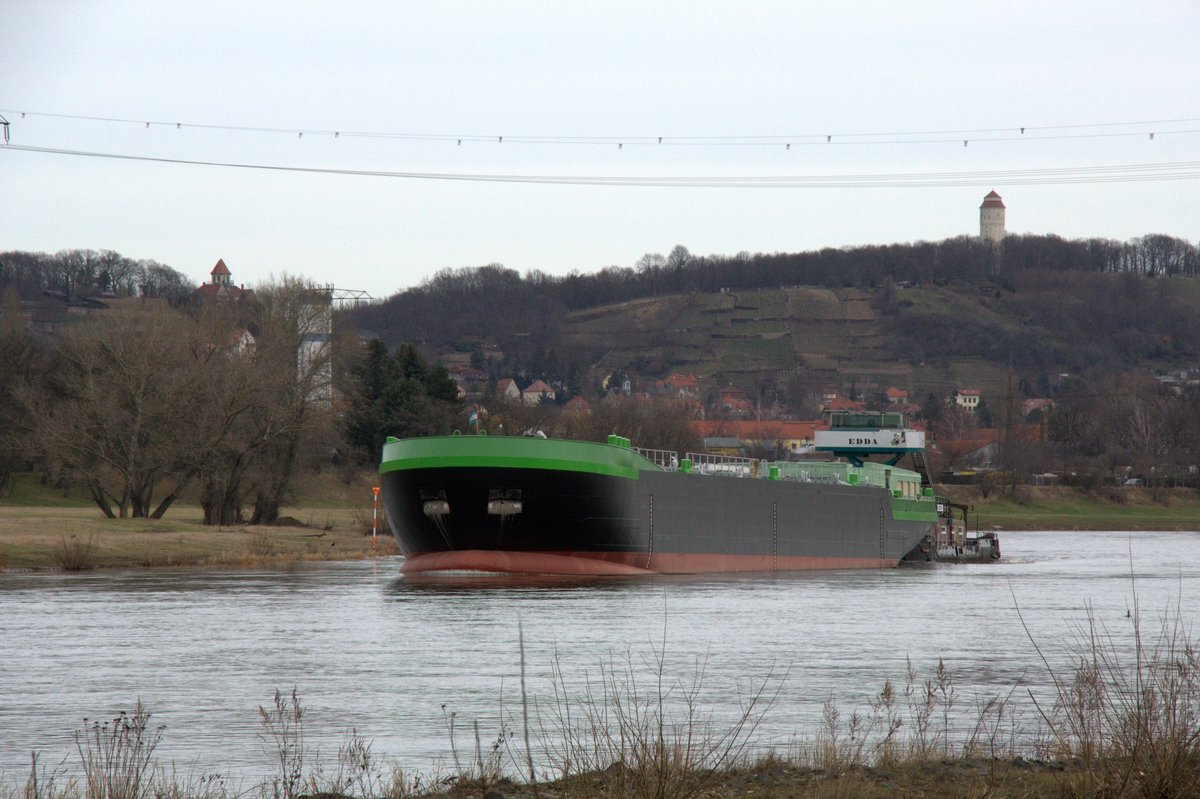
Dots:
pixel 1118 725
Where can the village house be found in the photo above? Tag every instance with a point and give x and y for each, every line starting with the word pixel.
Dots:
pixel 577 406
pixel 684 386
pixel 966 398
pixel 732 401
pixel 537 391
pixel 240 340
pixel 896 396
pixel 1040 405
pixel 506 388
pixel 470 381
pixel 842 404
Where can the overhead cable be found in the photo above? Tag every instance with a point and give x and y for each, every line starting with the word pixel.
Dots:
pixel 1114 173
pixel 1095 130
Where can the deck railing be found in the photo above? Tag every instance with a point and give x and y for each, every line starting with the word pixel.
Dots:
pixel 662 458
pixel 727 465
pixel 828 472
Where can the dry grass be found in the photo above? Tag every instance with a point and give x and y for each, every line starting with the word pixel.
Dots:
pixel 1117 730
pixel 1129 716
pixel 118 756
pixel 629 736
pixel 35 517
pixel 1064 508
pixel 74 553
pixel 29 537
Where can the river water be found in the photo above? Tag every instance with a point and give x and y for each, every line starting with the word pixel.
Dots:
pixel 393 658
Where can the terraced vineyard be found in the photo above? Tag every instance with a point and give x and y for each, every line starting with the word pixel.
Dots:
pixel 928 339
pixel 833 335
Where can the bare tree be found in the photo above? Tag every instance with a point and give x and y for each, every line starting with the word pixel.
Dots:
pixel 16 358
pixel 1135 419
pixel 679 258
pixel 118 274
pixel 160 280
pixel 116 410
pixel 654 425
pixel 74 271
pixel 236 419
pixel 295 354
pixel 651 264
pixel 956 422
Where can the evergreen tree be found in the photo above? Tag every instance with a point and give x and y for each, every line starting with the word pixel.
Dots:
pixel 398 395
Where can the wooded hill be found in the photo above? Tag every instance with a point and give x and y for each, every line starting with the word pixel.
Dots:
pixel 924 317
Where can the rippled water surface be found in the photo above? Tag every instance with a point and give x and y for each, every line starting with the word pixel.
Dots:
pixel 392 657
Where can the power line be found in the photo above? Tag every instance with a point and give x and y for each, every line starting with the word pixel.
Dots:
pixel 1093 130
pixel 1116 173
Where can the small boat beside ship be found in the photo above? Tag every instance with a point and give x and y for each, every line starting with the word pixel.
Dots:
pixel 524 504
pixel 951 540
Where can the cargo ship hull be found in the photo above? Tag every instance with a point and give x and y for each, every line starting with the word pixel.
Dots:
pixel 553 507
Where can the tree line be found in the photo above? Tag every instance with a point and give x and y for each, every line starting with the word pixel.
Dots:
pixel 78 273
pixel 498 303
pixel 1043 304
pixel 1098 431
pixel 147 402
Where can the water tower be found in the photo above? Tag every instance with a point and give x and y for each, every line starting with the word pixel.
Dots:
pixel 991 217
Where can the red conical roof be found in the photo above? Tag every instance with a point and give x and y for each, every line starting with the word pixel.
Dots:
pixel 992 200
pixel 220 268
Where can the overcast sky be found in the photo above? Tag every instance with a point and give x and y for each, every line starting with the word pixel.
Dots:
pixel 727 86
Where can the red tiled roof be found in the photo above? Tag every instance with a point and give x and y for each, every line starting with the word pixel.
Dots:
pixel 896 392
pixel 992 200
pixel 679 380
pixel 970 392
pixel 213 290
pixel 577 404
pixel 843 404
pixel 753 429
pixel 220 268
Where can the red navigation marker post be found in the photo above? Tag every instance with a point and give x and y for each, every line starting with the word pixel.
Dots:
pixel 374 515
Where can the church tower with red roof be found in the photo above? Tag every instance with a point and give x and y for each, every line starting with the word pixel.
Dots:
pixel 221 286
pixel 221 274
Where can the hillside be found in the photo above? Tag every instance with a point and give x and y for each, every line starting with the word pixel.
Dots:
pixel 920 339
pixel 925 317
pixel 759 337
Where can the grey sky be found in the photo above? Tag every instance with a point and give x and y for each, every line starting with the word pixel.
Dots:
pixel 611 69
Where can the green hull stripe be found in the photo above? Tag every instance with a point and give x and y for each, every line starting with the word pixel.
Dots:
pixel 486 462
pixel 512 452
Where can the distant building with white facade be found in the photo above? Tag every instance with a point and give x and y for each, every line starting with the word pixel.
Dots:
pixel 967 398
pixel 991 217
pixel 314 364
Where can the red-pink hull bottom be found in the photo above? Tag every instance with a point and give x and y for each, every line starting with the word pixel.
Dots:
pixel 622 563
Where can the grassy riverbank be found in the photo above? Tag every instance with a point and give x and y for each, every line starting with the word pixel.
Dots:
pixel 46 528
pixel 39 525
pixel 1056 508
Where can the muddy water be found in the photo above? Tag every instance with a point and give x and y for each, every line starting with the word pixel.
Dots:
pixel 398 659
